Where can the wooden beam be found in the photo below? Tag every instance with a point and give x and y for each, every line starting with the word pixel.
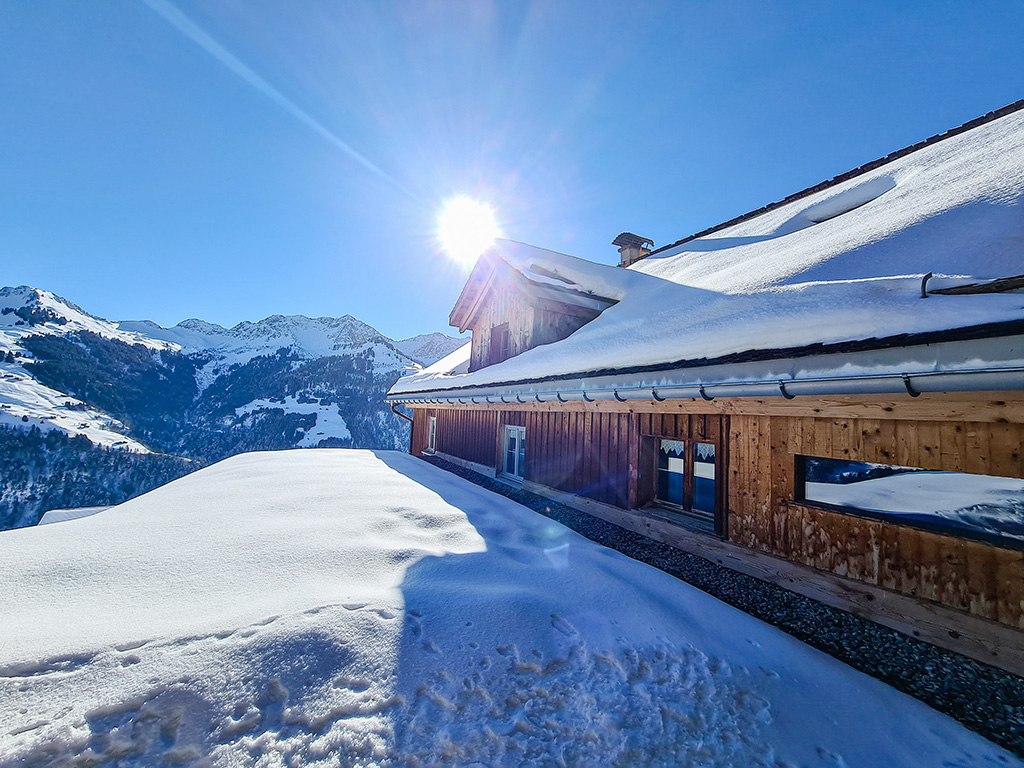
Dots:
pixel 957 631
pixel 992 407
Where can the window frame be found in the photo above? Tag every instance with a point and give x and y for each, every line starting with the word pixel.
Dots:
pixel 520 453
pixel 717 516
pixel 432 434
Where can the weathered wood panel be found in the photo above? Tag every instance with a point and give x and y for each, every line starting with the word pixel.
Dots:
pixel 968 575
pixel 467 435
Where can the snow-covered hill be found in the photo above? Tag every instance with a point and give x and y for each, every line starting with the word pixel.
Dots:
pixel 360 608
pixel 197 389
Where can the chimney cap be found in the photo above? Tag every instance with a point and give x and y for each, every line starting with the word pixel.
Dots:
pixel 628 239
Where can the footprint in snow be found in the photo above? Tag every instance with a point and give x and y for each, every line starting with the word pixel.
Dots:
pixel 563 626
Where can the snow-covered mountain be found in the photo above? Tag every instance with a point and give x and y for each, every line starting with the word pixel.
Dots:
pixel 196 390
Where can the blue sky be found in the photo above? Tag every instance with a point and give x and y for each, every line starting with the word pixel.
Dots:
pixel 232 159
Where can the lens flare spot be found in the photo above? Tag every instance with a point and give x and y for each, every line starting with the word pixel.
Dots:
pixel 466 228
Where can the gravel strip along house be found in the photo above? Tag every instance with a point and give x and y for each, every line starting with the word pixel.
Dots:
pixel 826 393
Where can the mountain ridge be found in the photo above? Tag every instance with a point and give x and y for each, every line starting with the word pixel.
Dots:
pixel 196 391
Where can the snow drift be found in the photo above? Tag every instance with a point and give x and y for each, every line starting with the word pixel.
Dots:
pixel 328 606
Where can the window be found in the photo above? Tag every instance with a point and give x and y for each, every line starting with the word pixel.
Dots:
pixel 501 344
pixel 704 477
pixel 515 452
pixel 976 506
pixel 432 435
pixel 686 478
pixel 672 472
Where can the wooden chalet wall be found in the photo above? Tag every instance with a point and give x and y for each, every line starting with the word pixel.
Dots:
pixel 504 305
pixel 597 450
pixel 531 321
pixel 976 577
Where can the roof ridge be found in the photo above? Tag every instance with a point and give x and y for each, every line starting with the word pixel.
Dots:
pixel 969 125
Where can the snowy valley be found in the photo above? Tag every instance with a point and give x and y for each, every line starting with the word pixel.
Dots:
pixel 93 412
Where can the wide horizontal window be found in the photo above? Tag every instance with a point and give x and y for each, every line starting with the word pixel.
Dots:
pixel 978 506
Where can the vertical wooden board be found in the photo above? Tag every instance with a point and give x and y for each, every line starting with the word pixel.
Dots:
pixel 616 474
pixel 906 443
pixel 740 486
pixel 499 436
pixel 889 562
pixel 822 436
pixel 621 450
pixel 929 571
pixel 870 440
pixel 1010 579
pixel 765 481
pixel 1005 449
pixel 908 542
pixel 607 477
pixel 976 447
pixel 854 544
pixel 812 525
pixel 981 586
pixel 841 439
pixel 633 461
pixel 543 421
pixel 580 456
pixel 568 450
pixel 587 446
pixel 888 447
pixel 751 473
pixel 645 424
pixel 737 480
pixel 579 449
pixel 781 483
pixel 834 554
pixel 953 572
pixel 558 450
pixel 754 480
pixel 953 444
pixel 929 445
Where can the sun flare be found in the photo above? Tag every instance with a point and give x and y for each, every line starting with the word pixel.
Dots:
pixel 466 228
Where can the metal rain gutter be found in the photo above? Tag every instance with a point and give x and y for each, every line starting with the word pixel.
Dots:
pixel 908 383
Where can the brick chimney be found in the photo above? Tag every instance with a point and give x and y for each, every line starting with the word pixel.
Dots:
pixel 632 247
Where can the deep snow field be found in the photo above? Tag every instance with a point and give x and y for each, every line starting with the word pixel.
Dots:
pixel 326 607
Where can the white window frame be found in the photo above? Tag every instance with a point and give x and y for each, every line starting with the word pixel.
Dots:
pixel 519 456
pixel 432 435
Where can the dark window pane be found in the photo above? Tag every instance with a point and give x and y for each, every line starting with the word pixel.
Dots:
pixel 704 477
pixel 670 487
pixel 671 469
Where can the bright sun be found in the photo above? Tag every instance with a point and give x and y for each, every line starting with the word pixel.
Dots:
pixel 467 228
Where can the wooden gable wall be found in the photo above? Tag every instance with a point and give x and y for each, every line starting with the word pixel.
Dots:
pixel 505 303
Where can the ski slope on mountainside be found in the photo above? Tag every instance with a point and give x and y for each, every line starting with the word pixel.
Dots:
pixel 311 607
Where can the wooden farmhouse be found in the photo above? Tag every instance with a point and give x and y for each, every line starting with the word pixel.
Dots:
pixel 826 393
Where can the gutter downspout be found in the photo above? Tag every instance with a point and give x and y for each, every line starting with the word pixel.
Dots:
pixel 402 415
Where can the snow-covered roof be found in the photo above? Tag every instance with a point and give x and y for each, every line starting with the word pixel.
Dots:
pixel 842 265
